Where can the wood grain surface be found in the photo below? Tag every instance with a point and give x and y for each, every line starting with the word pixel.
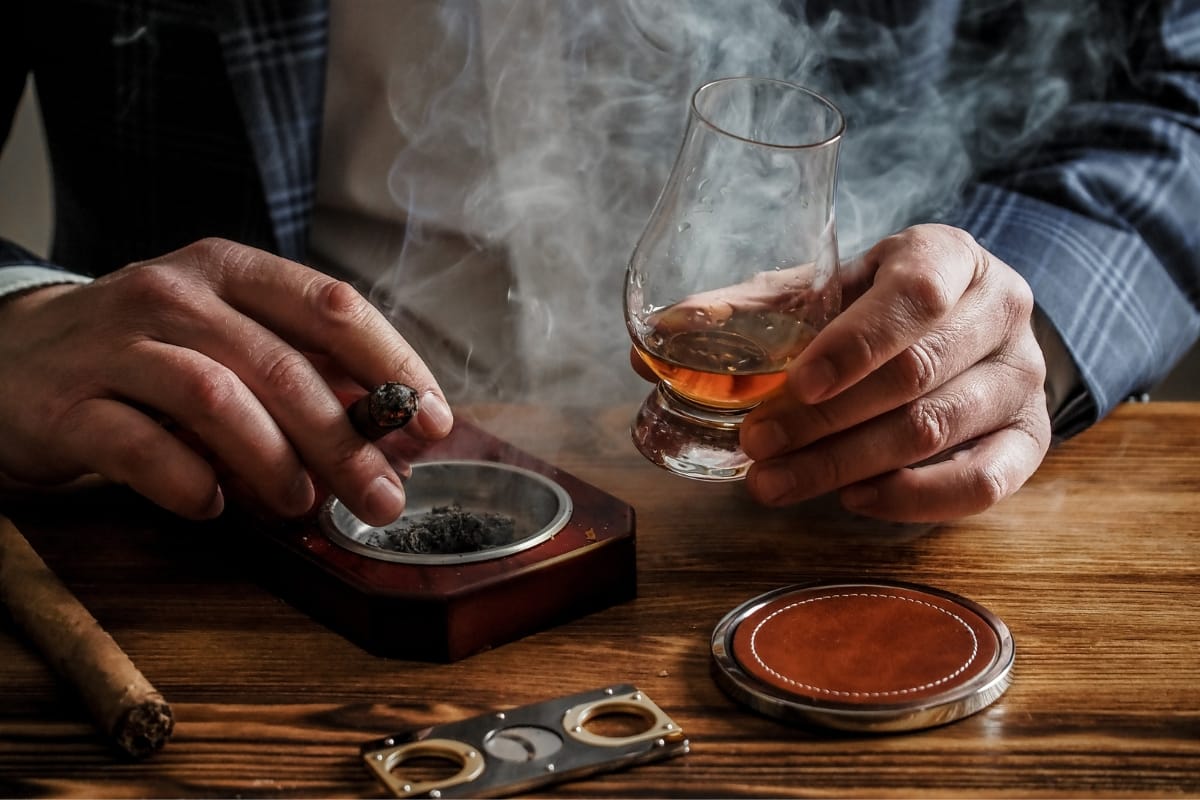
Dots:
pixel 1094 565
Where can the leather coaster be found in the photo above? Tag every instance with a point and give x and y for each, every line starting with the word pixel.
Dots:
pixel 876 656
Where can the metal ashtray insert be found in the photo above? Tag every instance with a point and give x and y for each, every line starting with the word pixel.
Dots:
pixel 458 512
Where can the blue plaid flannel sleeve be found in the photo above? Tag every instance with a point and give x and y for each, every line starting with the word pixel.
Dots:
pixel 280 52
pixel 1106 227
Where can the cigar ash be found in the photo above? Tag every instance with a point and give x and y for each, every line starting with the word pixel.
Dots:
pixel 445 529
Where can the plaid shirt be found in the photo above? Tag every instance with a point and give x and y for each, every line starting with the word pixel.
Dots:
pixel 168 121
pixel 1105 223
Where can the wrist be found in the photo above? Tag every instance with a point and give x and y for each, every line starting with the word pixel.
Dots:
pixel 19 302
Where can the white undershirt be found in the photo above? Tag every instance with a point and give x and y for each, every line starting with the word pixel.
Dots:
pixel 387 63
pixel 432 193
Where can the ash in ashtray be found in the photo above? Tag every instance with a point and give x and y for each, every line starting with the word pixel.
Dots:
pixel 443 530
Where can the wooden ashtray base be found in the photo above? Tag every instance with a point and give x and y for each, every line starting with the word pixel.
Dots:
pixel 445 612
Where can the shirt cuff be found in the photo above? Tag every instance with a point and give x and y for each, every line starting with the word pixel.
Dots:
pixel 23 277
pixel 1066 395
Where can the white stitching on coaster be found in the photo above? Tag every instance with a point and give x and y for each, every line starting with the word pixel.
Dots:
pixel 922 687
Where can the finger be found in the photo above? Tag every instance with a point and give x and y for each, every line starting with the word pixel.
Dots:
pixel 316 424
pixel 856 276
pixel 209 400
pixel 781 423
pixel 315 312
pixel 972 480
pixel 990 398
pixel 401 450
pixel 641 367
pixel 302 405
pixel 145 457
pixel 920 275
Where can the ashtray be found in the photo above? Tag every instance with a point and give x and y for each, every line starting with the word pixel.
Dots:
pixel 551 548
pixel 458 512
pixel 872 656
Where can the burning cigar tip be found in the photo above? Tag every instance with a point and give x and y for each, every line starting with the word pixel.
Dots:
pixel 385 408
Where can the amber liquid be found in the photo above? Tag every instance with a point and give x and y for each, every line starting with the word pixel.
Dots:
pixel 733 364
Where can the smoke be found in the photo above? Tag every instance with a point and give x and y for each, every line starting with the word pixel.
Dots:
pixel 539 134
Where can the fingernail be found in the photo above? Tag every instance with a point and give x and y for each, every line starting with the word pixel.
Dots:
pixel 384 501
pixel 215 506
pixel 765 439
pixel 435 415
pixel 300 494
pixel 813 381
pixel 774 483
pixel 860 496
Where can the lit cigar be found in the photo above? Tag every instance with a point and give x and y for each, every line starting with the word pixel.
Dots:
pixel 385 408
pixel 124 704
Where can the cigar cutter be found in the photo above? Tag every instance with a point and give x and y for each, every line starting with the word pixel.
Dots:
pixel 520 749
pixel 874 656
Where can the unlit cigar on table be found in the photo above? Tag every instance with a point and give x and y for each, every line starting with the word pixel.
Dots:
pixel 125 705
pixel 384 409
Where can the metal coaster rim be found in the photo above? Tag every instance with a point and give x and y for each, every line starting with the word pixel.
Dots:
pixel 952 705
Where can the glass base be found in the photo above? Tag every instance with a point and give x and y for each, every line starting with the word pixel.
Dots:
pixel 690 440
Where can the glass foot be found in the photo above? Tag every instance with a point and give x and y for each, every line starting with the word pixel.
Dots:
pixel 689 440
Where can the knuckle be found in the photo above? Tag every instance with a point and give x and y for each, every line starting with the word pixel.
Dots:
pixel 159 286
pixel 829 470
pixel 224 259
pixel 927 294
pixel 860 347
pixel 225 253
pixel 134 456
pixel 1025 363
pixel 352 458
pixel 992 485
pixel 1015 301
pixel 339 303
pixel 287 371
pixel 917 369
pixel 930 425
pixel 814 422
pixel 953 234
pixel 1034 422
pixel 935 245
pixel 211 392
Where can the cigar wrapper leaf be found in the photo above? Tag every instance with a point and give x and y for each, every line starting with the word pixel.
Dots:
pixel 126 707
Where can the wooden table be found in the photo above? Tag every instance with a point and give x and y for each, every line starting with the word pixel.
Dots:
pixel 1094 566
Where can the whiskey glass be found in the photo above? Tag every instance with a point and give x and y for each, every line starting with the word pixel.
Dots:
pixel 736 270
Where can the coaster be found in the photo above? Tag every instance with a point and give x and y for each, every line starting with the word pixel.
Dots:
pixel 875 656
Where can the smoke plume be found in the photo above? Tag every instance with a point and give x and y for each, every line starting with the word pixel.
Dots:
pixel 542 144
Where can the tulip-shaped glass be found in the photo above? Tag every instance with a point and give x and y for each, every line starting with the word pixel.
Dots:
pixel 736 270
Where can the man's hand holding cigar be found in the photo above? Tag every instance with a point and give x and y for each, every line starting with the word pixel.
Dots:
pixel 215 364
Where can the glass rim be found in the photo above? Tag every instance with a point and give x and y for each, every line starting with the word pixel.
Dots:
pixel 820 98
